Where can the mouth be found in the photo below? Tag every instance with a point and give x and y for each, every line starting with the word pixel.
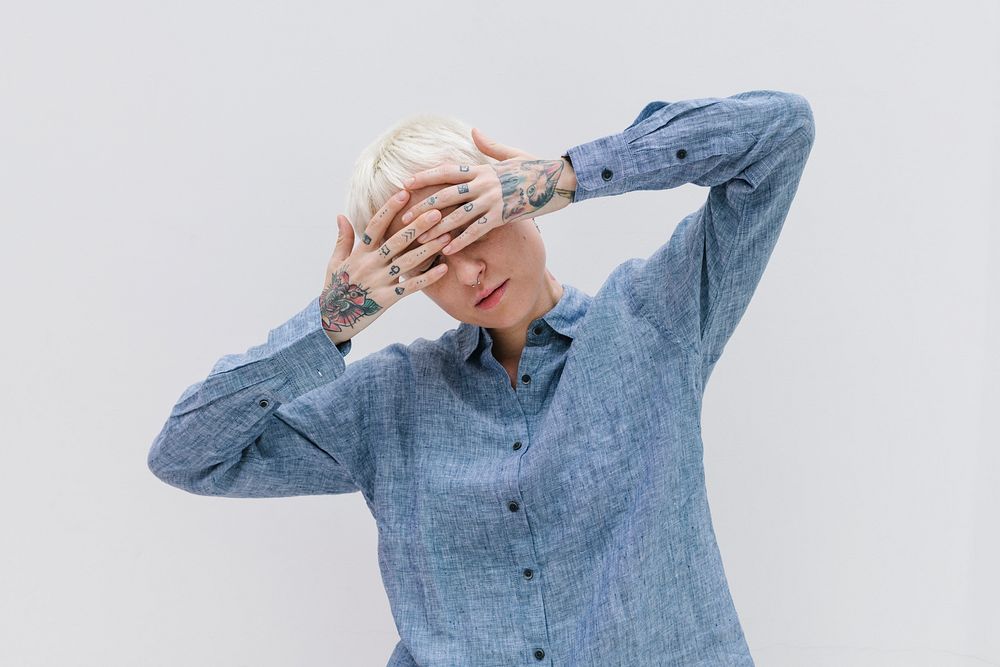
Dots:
pixel 491 295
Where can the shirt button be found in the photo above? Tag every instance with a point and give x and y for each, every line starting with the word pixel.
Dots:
pixel 525 378
pixel 538 330
pixel 681 154
pixel 528 573
pixel 607 174
pixel 517 445
pixel 512 506
pixel 263 403
pixel 539 654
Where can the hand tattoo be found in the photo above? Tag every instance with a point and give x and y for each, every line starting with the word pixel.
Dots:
pixel 343 303
pixel 528 185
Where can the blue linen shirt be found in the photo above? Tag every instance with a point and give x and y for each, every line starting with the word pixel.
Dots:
pixel 565 522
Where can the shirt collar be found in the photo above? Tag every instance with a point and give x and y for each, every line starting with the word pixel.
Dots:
pixel 564 317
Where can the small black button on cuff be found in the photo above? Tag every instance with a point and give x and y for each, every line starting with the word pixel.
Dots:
pixel 681 154
pixel 528 574
pixel 263 403
pixel 539 654
pixel 525 378
pixel 607 174
pixel 513 506
pixel 517 445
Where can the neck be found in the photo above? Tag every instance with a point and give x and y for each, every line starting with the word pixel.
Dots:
pixel 508 342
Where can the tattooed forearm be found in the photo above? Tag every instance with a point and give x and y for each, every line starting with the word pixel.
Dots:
pixel 343 303
pixel 528 185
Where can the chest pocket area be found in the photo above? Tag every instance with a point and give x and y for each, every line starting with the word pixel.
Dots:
pixel 647 387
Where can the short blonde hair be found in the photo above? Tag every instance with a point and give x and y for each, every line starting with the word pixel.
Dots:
pixel 411 145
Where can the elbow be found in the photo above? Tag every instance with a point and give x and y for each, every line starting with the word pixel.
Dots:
pixel 169 470
pixel 155 459
pixel 162 468
pixel 800 116
pixel 218 479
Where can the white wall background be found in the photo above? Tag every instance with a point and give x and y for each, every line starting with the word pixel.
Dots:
pixel 170 175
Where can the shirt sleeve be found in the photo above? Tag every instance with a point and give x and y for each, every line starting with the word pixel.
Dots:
pixel 281 419
pixel 750 149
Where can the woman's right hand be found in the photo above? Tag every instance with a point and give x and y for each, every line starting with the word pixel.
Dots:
pixel 362 282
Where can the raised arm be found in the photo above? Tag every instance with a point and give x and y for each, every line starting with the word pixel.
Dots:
pixel 250 428
pixel 286 418
pixel 750 149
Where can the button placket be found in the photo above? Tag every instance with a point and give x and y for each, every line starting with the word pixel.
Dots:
pixel 523 555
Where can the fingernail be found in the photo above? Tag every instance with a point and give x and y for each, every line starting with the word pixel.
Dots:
pixel 422 238
pixel 446 249
pixel 407 216
pixel 409 181
pixel 402 195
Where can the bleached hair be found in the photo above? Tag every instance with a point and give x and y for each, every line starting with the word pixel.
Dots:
pixel 410 146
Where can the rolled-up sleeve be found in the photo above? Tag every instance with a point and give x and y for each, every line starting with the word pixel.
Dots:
pixel 750 149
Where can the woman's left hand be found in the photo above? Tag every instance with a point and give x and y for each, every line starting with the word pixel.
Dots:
pixel 519 186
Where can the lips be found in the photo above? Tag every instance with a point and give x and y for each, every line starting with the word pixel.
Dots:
pixel 483 295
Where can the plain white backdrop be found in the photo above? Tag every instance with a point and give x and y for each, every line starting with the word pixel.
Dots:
pixel 170 175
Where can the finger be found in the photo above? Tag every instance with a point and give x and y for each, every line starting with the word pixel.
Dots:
pixel 345 240
pixel 443 173
pixel 461 215
pixel 421 258
pixel 343 248
pixel 494 148
pixel 452 195
pixel 477 230
pixel 404 237
pixel 420 281
pixel 380 221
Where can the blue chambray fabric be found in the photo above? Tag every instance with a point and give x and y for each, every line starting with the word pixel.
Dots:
pixel 565 522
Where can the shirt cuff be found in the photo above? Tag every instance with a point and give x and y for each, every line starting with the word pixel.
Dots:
pixel 603 167
pixel 308 358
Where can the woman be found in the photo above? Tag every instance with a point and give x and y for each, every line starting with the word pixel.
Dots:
pixel 536 473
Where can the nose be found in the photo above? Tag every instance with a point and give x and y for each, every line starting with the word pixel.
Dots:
pixel 466 267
